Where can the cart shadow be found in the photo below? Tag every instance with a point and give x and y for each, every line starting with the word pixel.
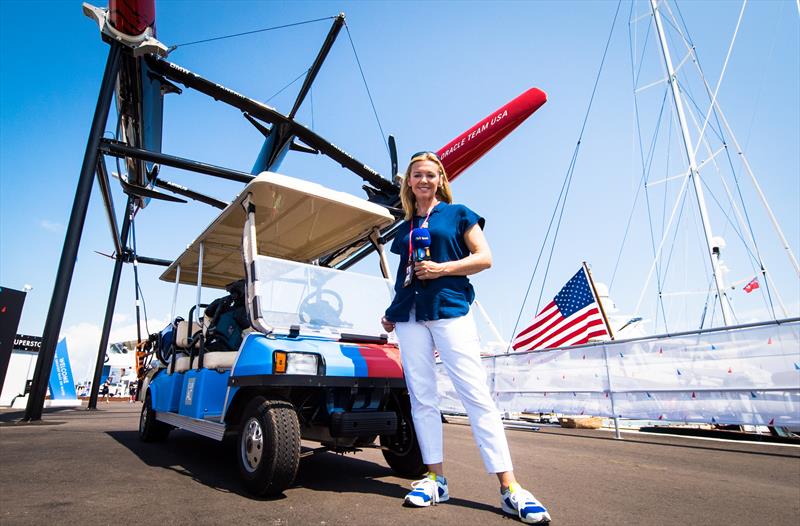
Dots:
pixel 203 460
pixel 330 472
pixel 213 464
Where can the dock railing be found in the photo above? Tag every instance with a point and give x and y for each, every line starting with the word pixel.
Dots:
pixel 749 374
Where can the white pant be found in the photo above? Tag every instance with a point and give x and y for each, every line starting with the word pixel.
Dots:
pixel 457 341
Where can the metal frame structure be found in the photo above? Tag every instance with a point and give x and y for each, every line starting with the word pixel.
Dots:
pixel 694 172
pixel 280 138
pixel 140 76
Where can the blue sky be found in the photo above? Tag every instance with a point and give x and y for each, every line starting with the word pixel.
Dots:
pixel 433 69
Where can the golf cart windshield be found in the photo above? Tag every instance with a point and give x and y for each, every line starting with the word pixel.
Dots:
pixel 319 300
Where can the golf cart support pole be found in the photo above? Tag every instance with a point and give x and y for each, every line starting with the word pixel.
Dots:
pixel 69 253
pixel 112 301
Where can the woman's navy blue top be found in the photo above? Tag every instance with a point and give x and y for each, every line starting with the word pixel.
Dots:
pixel 441 298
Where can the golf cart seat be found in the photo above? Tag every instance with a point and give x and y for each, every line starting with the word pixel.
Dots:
pixel 182 365
pixel 183 336
pixel 217 360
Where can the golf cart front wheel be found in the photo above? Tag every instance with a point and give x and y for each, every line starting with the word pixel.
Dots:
pixel 268 450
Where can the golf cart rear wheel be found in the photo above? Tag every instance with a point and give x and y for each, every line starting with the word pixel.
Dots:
pixel 150 429
pixel 268 450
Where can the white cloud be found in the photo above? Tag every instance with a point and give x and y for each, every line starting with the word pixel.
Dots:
pixel 83 340
pixel 52 226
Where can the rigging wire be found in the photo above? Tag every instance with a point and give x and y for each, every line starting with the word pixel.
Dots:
pixel 646 165
pixel 761 76
pixel 140 293
pixel 298 77
pixel 721 76
pixel 234 35
pixel 311 105
pixel 675 234
pixel 666 184
pixel 766 293
pixel 635 80
pixel 541 251
pixel 646 176
pixel 137 288
pixel 565 186
pixel 364 78
pixel 690 48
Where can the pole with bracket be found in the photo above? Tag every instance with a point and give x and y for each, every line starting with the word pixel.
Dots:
pixel 69 253
pixel 112 301
pixel 694 173
pixel 588 272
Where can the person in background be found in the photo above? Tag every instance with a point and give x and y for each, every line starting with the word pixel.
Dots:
pixel 431 310
pixel 132 386
pixel 106 389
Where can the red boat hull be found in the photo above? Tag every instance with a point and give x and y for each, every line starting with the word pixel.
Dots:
pixel 460 153
pixel 132 17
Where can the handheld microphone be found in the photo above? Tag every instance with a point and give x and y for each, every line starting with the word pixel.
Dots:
pixel 421 242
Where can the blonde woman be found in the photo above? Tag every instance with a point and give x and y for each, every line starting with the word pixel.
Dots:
pixel 440 244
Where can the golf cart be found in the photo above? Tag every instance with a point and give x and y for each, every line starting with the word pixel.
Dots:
pixel 295 350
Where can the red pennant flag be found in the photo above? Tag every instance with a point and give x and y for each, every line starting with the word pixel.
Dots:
pixel 769 341
pixel 753 285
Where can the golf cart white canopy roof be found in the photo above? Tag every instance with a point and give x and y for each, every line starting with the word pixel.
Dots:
pixel 295 219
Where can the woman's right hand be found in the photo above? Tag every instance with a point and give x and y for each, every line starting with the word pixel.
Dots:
pixel 388 325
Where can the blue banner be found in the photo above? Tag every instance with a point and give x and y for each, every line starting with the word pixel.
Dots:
pixel 62 387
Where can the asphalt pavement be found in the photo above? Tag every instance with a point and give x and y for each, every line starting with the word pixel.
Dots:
pixel 89 467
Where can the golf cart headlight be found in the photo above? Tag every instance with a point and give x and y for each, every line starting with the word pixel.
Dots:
pixel 301 363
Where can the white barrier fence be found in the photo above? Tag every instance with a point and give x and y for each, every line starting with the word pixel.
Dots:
pixel 747 375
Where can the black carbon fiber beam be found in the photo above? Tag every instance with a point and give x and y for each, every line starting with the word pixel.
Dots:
pixel 69 253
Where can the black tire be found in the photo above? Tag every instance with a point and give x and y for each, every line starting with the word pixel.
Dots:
pixel 403 454
pixel 150 429
pixel 268 446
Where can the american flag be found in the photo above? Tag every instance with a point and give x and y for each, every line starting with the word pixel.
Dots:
pixel 572 318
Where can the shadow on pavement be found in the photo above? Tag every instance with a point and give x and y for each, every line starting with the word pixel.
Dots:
pixel 203 460
pixel 213 464
pixel 331 472
pixel 14 416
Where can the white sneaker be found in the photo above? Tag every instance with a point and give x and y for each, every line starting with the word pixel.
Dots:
pixel 520 502
pixel 430 490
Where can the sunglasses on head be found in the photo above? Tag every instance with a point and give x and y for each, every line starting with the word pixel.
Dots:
pixel 420 154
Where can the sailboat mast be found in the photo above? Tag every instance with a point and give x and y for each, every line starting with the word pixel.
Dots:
pixel 694 174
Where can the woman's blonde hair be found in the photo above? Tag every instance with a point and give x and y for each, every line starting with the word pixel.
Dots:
pixel 407 197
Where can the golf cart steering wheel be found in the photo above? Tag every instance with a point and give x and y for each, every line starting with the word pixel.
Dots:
pixel 317 310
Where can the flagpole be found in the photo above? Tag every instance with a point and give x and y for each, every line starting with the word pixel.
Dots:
pixel 588 272
pixel 597 299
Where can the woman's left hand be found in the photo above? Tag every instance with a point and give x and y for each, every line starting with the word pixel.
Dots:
pixel 429 269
